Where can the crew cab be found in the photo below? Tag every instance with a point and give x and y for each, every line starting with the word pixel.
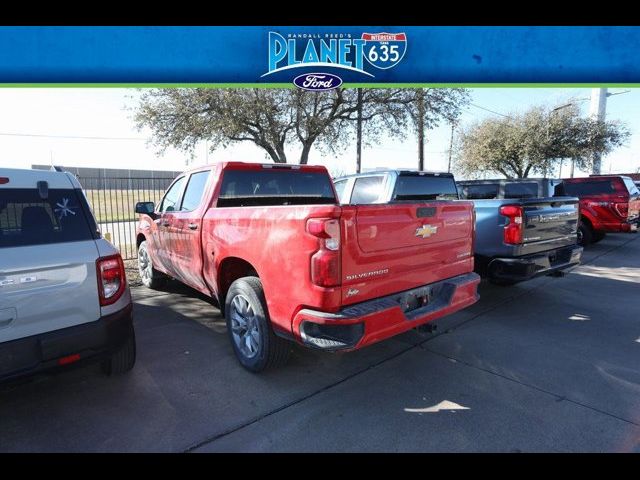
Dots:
pixel 64 297
pixel 272 245
pixel 522 230
pixel 608 203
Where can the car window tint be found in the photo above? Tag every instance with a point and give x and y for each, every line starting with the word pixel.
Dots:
pixel 241 188
pixel 193 192
pixel 172 197
pixel 367 189
pixel 27 219
pixel 593 187
pixel 521 190
pixel 484 191
pixel 415 187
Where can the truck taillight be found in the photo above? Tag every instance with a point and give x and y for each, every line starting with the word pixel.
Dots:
pixel 621 209
pixel 325 263
pixel 514 229
pixel 111 279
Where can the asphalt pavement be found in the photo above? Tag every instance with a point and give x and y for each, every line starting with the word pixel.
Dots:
pixel 548 365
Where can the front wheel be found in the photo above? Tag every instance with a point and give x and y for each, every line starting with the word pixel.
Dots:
pixel 255 344
pixel 150 277
pixel 597 236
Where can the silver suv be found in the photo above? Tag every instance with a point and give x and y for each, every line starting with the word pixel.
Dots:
pixel 64 297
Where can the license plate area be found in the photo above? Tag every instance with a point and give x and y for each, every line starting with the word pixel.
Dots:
pixel 416 299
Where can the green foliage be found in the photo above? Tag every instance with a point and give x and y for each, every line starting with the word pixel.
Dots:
pixel 535 142
pixel 274 119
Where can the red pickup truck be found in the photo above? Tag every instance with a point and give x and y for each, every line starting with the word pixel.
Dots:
pixel 608 203
pixel 286 262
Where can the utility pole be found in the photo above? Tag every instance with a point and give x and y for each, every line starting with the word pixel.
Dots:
pixel 453 126
pixel 420 128
pixel 598 111
pixel 359 134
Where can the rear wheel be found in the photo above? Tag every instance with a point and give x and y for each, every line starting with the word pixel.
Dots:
pixel 597 236
pixel 150 277
pixel 255 344
pixel 585 234
pixel 123 359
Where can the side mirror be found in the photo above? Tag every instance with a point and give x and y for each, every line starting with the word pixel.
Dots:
pixel 145 208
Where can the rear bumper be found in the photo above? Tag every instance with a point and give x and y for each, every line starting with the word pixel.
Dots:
pixel 362 324
pixel 93 340
pixel 622 227
pixel 523 268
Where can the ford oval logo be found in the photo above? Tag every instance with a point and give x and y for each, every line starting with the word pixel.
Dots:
pixel 318 82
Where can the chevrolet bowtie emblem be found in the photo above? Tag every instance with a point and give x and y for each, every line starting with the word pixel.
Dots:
pixel 426 231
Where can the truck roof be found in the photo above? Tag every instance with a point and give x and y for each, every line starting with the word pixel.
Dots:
pixel 28 178
pixel 256 166
pixel 512 180
pixel 399 172
pixel 593 177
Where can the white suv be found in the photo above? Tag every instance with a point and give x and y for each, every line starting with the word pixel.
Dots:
pixel 63 291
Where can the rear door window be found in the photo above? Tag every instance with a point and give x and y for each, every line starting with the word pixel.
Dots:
pixel 367 189
pixel 521 190
pixel 482 191
pixel 193 192
pixel 27 219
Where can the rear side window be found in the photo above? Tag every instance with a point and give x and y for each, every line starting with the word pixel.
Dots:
pixel 275 187
pixel 631 187
pixel 27 219
pixel 425 187
pixel 340 186
pixel 194 191
pixel 366 189
pixel 521 190
pixel 594 187
pixel 485 191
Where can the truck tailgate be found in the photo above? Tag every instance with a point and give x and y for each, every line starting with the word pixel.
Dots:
pixel 395 247
pixel 549 222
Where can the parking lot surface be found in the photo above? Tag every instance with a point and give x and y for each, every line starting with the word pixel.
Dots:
pixel 548 365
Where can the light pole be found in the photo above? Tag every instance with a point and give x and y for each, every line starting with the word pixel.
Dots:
pixel 554 110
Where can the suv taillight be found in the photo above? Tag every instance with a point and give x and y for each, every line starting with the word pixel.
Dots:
pixel 621 208
pixel 325 263
pixel 513 229
pixel 111 279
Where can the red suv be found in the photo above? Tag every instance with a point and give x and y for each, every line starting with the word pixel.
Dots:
pixel 608 203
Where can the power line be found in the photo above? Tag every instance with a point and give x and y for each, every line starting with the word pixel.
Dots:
pixel 71 137
pixel 489 110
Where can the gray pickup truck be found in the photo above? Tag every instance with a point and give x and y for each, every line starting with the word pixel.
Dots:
pixel 522 229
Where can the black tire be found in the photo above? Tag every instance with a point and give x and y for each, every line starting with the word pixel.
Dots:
pixel 585 234
pixel 150 277
pixel 255 344
pixel 597 236
pixel 123 359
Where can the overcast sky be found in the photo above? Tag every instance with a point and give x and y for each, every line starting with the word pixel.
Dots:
pixel 31 118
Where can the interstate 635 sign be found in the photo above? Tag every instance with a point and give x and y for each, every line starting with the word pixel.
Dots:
pixel 384 50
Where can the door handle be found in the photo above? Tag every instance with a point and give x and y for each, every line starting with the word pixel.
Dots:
pixel 193 226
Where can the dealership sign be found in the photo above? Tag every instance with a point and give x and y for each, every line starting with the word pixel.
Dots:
pixel 340 51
